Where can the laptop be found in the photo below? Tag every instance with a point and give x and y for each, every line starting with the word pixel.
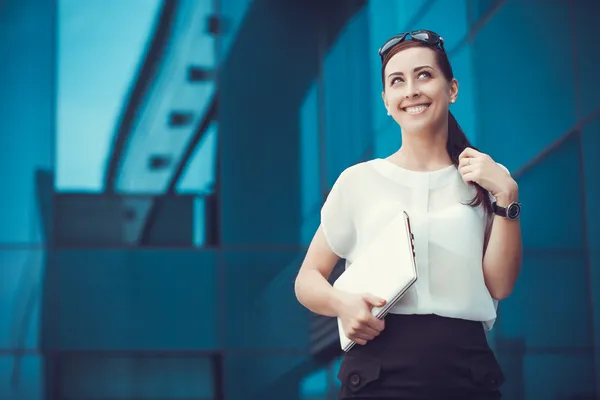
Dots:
pixel 386 269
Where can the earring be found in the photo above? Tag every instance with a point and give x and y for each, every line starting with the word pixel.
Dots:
pixel 388 113
pixel 452 101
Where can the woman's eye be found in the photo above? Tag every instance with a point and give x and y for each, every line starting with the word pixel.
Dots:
pixel 396 80
pixel 425 74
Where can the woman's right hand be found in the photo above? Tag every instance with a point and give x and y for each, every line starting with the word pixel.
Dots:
pixel 358 322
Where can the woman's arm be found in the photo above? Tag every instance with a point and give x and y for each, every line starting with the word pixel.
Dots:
pixel 503 255
pixel 503 252
pixel 315 293
pixel 312 288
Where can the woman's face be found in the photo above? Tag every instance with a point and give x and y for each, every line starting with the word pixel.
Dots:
pixel 417 94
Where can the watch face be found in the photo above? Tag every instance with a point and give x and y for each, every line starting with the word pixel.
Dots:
pixel 513 211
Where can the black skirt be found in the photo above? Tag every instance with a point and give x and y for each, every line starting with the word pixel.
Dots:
pixel 423 357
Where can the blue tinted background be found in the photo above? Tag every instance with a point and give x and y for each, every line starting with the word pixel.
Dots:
pixel 164 165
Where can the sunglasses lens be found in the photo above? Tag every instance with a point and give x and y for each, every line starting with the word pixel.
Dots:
pixel 389 44
pixel 424 36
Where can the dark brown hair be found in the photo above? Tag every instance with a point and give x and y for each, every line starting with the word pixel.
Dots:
pixel 457 140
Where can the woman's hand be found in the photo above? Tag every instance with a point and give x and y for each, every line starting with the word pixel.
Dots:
pixel 478 167
pixel 358 322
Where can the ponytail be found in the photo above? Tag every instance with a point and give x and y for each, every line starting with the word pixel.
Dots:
pixel 457 142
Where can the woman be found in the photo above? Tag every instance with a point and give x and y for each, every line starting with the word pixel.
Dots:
pixel 464 214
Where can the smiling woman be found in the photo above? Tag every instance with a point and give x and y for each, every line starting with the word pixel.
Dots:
pixel 467 239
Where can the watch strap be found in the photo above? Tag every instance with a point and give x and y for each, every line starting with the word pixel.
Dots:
pixel 499 210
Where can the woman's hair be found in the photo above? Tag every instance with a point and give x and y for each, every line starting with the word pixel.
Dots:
pixel 457 140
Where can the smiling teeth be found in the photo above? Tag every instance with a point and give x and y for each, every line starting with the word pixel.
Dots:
pixel 416 110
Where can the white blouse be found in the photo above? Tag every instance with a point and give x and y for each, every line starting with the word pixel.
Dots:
pixel 449 234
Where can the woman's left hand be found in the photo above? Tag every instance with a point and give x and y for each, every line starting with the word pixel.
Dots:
pixel 480 168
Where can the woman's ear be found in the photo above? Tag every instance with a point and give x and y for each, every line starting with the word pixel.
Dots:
pixel 453 90
pixel 385 103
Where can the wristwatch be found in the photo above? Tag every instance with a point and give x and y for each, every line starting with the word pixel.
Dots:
pixel 512 212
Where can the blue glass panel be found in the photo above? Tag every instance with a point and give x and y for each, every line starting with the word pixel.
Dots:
pixel 387 139
pixel 591 144
pixel 314 384
pixel 550 191
pixel 256 375
pixel 381 27
pixel 309 227
pixel 199 221
pixel 465 109
pixel 559 376
pixel 335 369
pixel 525 85
pixel 449 19
pixel 348 117
pixel 139 299
pixel 127 377
pixel 383 22
pixel 21 274
pixel 24 218
pixel 24 383
pixel 92 91
pixel 262 283
pixel 479 8
pixel 27 79
pixel 585 18
pixel 310 149
pixel 392 17
pixel 408 14
pixel 549 307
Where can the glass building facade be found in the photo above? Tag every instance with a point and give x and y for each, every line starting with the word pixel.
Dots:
pixel 164 164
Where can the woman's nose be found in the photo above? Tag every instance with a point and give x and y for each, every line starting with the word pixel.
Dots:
pixel 411 91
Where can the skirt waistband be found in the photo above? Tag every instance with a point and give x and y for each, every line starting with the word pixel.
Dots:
pixel 429 331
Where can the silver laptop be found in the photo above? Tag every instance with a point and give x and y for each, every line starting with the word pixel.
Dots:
pixel 386 269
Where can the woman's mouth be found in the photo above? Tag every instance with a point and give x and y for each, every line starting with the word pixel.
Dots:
pixel 414 110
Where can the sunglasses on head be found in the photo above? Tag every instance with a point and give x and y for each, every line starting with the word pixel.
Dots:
pixel 428 37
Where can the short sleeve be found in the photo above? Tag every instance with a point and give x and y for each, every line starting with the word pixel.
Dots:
pixel 336 218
